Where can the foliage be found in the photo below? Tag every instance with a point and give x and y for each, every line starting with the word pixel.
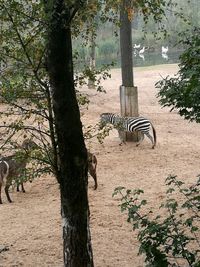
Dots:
pixel 96 76
pixel 25 86
pixel 172 239
pixel 182 92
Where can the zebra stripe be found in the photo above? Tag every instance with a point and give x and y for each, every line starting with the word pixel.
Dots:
pixel 137 124
pixel 131 124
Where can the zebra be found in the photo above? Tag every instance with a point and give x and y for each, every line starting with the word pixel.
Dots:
pixel 130 124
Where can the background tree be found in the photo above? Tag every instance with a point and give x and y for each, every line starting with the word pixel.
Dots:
pixel 182 92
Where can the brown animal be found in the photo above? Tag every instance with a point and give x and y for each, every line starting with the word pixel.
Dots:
pixel 92 165
pixel 11 168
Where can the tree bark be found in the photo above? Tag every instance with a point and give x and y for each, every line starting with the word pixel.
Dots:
pixel 72 174
pixel 126 48
pixel 128 92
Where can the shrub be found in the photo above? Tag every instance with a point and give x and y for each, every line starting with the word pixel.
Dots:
pixel 182 92
pixel 170 241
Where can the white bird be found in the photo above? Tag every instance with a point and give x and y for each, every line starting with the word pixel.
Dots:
pixel 142 57
pixel 164 49
pixel 142 50
pixel 165 56
pixel 135 53
pixel 136 46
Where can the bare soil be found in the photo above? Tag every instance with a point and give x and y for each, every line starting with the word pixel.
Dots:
pixel 30 227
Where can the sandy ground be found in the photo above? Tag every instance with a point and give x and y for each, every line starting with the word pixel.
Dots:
pixel 31 227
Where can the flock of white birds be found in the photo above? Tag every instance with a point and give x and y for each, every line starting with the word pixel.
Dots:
pixel 138 50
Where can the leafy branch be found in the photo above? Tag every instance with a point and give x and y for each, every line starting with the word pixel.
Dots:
pixel 174 239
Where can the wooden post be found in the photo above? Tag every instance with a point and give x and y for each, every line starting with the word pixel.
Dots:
pixel 128 104
pixel 129 108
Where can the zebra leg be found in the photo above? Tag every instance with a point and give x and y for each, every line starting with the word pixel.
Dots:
pixel 151 138
pixel 141 139
pixel 121 136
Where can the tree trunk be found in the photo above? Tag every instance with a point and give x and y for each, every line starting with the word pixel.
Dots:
pixel 128 92
pixel 126 48
pixel 92 63
pixel 72 175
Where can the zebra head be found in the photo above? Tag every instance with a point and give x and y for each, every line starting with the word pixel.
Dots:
pixel 108 118
pixel 104 119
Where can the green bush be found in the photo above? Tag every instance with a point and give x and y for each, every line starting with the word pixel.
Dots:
pixel 182 92
pixel 174 239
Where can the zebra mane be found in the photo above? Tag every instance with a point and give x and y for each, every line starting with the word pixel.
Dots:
pixel 106 113
pixel 109 114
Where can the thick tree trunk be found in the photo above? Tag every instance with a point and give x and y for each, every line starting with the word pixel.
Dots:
pixel 72 174
pixel 128 92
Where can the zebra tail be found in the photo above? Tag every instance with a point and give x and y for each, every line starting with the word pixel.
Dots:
pixel 154 135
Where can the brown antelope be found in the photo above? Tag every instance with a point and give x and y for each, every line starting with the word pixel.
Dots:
pixel 92 165
pixel 12 167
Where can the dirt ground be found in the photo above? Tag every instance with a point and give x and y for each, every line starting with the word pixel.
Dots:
pixel 30 227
